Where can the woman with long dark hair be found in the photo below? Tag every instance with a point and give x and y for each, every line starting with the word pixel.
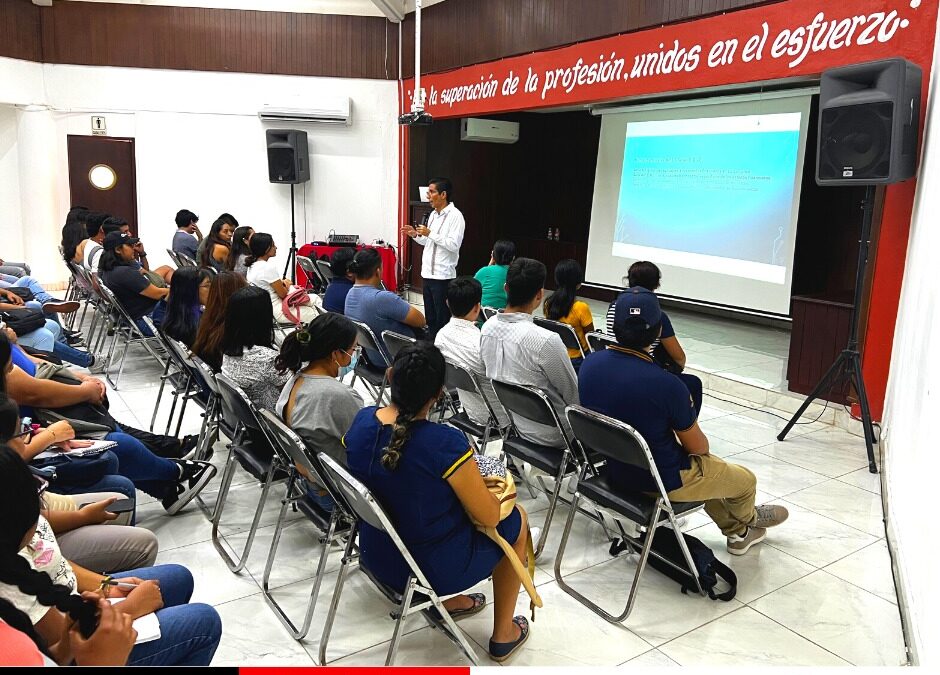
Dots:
pixel 208 344
pixel 264 273
pixel 427 478
pixel 40 582
pixel 73 234
pixel 215 248
pixel 184 305
pixel 240 250
pixel 563 305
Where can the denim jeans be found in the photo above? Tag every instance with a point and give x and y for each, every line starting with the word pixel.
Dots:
pixel 26 282
pixel 189 634
pixel 109 482
pixel 150 473
pixel 50 339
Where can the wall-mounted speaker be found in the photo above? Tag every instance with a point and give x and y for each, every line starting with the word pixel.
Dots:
pixel 869 118
pixel 288 158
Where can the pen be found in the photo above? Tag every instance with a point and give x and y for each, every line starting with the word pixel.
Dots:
pixel 118 584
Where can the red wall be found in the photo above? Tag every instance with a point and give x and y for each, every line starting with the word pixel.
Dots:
pixel 820 33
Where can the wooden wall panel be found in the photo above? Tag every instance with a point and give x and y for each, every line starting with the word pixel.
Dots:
pixel 457 33
pixel 193 38
pixel 19 30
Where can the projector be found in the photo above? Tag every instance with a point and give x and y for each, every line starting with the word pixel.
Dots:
pixel 416 118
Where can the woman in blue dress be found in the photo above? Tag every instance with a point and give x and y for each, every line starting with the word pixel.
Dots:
pixel 426 478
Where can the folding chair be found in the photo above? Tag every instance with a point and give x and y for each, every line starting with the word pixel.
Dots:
pixel 374 375
pixel 568 337
pixel 326 270
pixel 185 260
pixel 418 595
pixel 126 328
pixel 212 421
pixel 600 341
pixel 394 342
pixel 174 258
pixel 460 378
pixel 315 280
pixel 489 312
pixel 618 441
pixel 178 373
pixel 335 525
pixel 253 450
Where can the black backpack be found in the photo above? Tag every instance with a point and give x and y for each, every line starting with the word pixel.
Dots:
pixel 23 321
pixel 709 568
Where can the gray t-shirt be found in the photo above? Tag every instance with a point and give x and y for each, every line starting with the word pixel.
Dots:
pixel 185 243
pixel 323 411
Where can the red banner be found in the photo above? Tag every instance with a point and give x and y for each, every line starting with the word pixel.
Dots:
pixel 784 40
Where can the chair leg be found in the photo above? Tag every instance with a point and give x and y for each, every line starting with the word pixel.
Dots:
pixel 456 635
pixel 553 502
pixel 337 592
pixel 156 406
pixel 237 565
pixel 402 613
pixel 186 396
pixel 685 552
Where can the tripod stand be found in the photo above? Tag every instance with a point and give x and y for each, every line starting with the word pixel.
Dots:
pixel 849 363
pixel 292 254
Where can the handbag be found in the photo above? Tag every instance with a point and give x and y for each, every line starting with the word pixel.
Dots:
pixel 23 321
pixel 296 297
pixel 501 485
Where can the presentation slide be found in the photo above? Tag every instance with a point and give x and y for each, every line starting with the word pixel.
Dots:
pixel 712 198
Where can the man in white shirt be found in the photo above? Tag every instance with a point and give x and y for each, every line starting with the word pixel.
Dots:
pixel 517 351
pixel 459 342
pixel 441 237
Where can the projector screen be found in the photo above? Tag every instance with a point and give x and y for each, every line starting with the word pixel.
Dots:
pixel 709 192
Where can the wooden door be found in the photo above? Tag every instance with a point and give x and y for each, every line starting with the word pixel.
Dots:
pixel 103 175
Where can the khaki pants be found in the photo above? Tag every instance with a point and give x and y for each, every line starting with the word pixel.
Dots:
pixel 728 490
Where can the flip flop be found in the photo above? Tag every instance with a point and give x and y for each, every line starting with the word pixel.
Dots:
pixel 500 651
pixel 479 602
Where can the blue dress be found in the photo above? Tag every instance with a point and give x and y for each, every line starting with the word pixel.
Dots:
pixel 422 506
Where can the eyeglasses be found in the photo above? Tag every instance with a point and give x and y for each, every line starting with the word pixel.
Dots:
pixel 357 352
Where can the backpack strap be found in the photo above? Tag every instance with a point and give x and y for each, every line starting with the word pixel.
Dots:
pixel 729 577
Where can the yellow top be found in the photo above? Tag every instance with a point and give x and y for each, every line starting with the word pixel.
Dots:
pixel 579 318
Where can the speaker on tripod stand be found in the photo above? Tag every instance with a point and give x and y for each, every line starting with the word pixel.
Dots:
pixel 288 162
pixel 869 121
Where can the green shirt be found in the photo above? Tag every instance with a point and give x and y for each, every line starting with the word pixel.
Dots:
pixel 493 279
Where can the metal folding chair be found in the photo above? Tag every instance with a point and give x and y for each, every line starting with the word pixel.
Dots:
pixel 568 337
pixel 489 312
pixel 460 378
pixel 620 442
pixel 599 341
pixel 174 258
pixel 325 269
pixel 315 280
pixel 374 375
pixel 178 373
pixel 185 260
pixel 418 595
pixel 394 342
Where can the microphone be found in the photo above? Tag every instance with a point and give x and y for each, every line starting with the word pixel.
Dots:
pixel 426 218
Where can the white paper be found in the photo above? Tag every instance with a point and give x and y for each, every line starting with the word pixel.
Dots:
pixel 147 626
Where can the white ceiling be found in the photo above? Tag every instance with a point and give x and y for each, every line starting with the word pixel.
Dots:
pixel 351 7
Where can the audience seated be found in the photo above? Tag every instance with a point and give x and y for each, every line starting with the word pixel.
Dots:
pixel 37 579
pixel 51 338
pixel 240 250
pixel 666 350
pixel 459 342
pixel 493 276
pixel 183 240
pixel 247 347
pixel 379 309
pixel 189 291
pixel 264 273
pixel 563 305
pixel 91 249
pixel 137 295
pixel 427 479
pixel 159 277
pixel 73 234
pixel 208 344
pixel 517 351
pixel 314 403
pixel 623 382
pixel 214 249
pixel 335 298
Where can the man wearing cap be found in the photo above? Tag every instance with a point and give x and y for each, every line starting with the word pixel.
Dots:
pixel 623 382
pixel 133 290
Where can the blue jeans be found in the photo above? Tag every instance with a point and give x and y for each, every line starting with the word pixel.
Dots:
pixel 150 473
pixel 189 634
pixel 14 269
pixel 107 483
pixel 26 282
pixel 50 339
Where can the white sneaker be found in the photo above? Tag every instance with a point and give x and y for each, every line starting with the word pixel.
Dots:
pixel 98 365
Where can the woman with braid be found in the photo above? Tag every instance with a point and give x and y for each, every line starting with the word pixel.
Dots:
pixel 53 593
pixel 426 477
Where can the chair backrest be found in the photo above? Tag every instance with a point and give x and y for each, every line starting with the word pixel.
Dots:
pixel 310 271
pixel 528 402
pixel 294 450
pixel 568 337
pixel 112 300
pixel 488 312
pixel 236 406
pixel 213 272
pixel 176 261
pixel 599 341
pixel 613 439
pixel 368 340
pixel 206 373
pixel 457 376
pixel 365 506
pixel 394 342
pixel 326 270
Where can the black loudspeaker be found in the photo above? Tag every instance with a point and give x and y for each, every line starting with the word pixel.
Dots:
pixel 288 159
pixel 869 117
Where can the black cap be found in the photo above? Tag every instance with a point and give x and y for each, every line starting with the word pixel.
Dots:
pixel 115 239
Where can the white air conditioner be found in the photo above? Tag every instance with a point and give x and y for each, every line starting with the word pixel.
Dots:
pixel 488 131
pixel 333 112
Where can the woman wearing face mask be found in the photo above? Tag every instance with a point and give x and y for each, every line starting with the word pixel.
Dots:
pixel 314 403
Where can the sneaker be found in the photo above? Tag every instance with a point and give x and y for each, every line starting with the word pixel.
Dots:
pixel 60 306
pixel 739 545
pixel 193 477
pixel 73 338
pixel 188 446
pixel 98 365
pixel 770 515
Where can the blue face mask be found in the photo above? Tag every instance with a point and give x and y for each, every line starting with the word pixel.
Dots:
pixel 353 360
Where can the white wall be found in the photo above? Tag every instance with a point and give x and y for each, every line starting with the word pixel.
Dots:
pixel 200 146
pixel 11 246
pixel 911 405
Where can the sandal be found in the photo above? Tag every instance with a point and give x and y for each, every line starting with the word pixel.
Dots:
pixel 500 651
pixel 479 602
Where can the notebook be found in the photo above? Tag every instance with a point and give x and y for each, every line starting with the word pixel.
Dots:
pixel 96 448
pixel 147 626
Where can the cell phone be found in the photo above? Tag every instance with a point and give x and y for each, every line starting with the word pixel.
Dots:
pixel 120 506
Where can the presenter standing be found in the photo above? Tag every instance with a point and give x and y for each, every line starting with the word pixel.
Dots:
pixel 441 236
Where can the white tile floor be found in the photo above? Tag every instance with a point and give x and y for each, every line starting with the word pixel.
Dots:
pixel 818 592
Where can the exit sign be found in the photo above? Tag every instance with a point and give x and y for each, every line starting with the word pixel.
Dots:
pixel 98 126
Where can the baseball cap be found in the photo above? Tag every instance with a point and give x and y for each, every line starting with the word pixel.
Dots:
pixel 115 239
pixel 637 309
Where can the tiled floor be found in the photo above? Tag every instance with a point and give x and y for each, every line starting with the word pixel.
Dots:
pixel 819 591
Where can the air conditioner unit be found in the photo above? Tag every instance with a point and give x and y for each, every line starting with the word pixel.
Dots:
pixel 334 112
pixel 488 131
